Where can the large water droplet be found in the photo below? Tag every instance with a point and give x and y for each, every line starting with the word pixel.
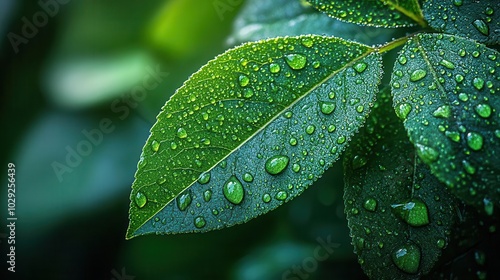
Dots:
pixel 481 26
pixel 483 110
pixel 407 258
pixel 243 80
pixel 155 146
pixel 414 212
pixel 442 112
pixel 403 110
pixel 204 178
pixel 184 200
pixel 427 154
pixel 274 68
pixel 276 164
pixel 233 190
pixel 140 199
pixel 475 141
pixel 327 107
pixel 296 61
pixel 418 75
pixel 199 222
pixel 181 133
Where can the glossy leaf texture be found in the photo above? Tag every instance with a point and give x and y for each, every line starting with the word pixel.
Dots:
pixel 399 214
pixel 446 89
pixel 381 13
pixel 262 19
pixel 251 130
pixel 478 20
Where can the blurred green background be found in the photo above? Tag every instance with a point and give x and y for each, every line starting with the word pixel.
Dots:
pixel 68 66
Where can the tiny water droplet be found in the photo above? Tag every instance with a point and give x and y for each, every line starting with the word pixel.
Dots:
pixel 247 177
pixel 474 141
pixel 327 107
pixel 155 146
pixel 360 67
pixel 184 200
pixel 204 178
pixel 403 110
pixel 331 128
pixel 370 204
pixel 233 190
pixel 418 75
pixel 359 161
pixel 142 162
pixel 276 164
pixel 481 26
pixel 459 78
pixel 296 61
pixel 281 195
pixel 414 212
pixel 181 133
pixel 407 258
pixel 199 222
pixel 243 80
pixel 341 139
pixel 442 112
pixel 140 199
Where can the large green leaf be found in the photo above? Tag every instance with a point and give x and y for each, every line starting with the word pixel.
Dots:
pixel 251 130
pixel 399 214
pixel 478 20
pixel 382 13
pixel 446 89
pixel 262 19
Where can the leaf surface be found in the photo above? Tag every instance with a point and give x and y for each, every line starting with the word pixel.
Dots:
pixel 478 20
pixel 446 89
pixel 388 13
pixel 251 130
pixel 399 214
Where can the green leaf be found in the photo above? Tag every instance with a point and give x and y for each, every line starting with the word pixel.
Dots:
pixel 382 13
pixel 446 89
pixel 478 20
pixel 261 19
pixel 399 214
pixel 252 129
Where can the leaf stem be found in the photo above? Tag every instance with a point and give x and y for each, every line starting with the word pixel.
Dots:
pixel 393 44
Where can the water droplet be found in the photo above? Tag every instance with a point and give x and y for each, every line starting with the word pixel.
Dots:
pixel 296 61
pixel 481 26
pixel 207 195
pixel 403 110
pixel 310 129
pixel 274 68
pixel 233 190
pixel 327 107
pixel 360 67
pixel 199 222
pixel 442 112
pixel 140 199
pixel 469 168
pixel 276 164
pixel 359 161
pixel 414 212
pixel 441 243
pixel 244 80
pixel 161 180
pixel 181 133
pixel 447 64
pixel 402 60
pixel 489 11
pixel 307 42
pixel 478 83
pixel 184 200
pixel 204 178
pixel 293 141
pixel 458 3
pixel 296 167
pixel 155 146
pixel 266 198
pixel 407 258
pixel 331 128
pixel 483 110
pixel 475 141
pixel 488 206
pixel 370 204
pixel 331 95
pixel 459 78
pixel 418 75
pixel 341 139
pixel 454 136
pixel 248 93
pixel 281 195
pixel 247 177
pixel 426 153
pixel 205 141
pixel 142 162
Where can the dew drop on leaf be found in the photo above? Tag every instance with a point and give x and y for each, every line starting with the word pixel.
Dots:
pixel 181 133
pixel 442 112
pixel 140 199
pixel 310 129
pixel 474 141
pixel 155 146
pixel 243 80
pixel 447 64
pixel 327 107
pixel 199 222
pixel 418 75
pixel 266 198
pixel 204 178
pixel 426 153
pixel 483 110
pixel 414 212
pixel 478 83
pixel 370 205
pixel 274 68
pixel 481 26
pixel 407 258
pixel 403 110
pixel 281 195
pixel 296 61
pixel 248 93
pixel 233 190
pixel 207 195
pixel 360 67
pixel 488 206
pixel 184 200
pixel 247 177
pixel 276 164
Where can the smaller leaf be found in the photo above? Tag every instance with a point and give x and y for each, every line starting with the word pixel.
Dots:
pixel 387 13
pixel 446 90
pixel 478 20
pixel 399 214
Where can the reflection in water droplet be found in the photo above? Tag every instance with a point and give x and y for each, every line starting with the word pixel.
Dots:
pixel 296 61
pixel 276 164
pixel 233 190
pixel 140 199
pixel 274 68
pixel 407 258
